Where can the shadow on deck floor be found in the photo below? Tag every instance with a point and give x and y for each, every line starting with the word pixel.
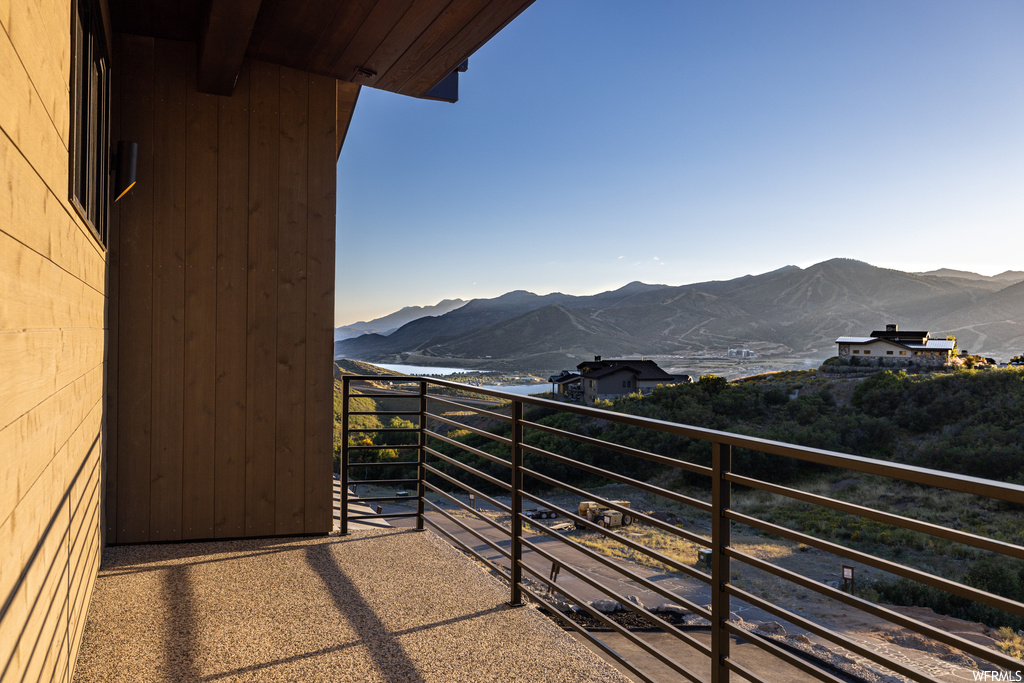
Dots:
pixel 378 605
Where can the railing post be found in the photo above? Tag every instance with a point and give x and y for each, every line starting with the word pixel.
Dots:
pixel 517 503
pixel 721 532
pixel 343 474
pixel 421 472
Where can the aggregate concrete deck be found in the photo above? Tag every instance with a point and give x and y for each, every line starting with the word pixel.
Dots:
pixel 388 605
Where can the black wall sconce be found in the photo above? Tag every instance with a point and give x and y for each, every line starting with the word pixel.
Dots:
pixel 127 164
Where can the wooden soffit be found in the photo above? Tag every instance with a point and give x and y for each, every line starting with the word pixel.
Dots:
pixel 403 46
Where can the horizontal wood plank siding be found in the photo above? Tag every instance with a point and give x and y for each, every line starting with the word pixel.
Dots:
pixel 53 300
pixel 230 314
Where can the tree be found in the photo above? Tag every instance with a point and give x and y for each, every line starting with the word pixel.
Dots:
pixel 712 384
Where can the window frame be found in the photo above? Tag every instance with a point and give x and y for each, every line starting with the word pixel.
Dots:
pixel 89 148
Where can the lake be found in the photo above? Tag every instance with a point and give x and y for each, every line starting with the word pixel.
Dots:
pixel 519 389
pixel 423 369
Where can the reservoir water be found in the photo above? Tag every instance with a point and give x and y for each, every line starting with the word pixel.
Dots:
pixel 520 389
pixel 423 370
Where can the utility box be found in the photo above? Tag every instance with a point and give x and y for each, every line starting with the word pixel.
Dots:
pixel 704 558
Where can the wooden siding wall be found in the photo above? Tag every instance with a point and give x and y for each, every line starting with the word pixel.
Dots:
pixel 52 301
pixel 222 270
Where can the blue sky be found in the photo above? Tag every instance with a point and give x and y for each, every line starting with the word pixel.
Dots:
pixel 598 142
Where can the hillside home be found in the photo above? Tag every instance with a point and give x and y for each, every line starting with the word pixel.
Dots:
pixel 566 386
pixel 609 379
pixel 167 358
pixel 893 346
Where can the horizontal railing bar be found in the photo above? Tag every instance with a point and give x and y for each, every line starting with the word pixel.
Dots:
pixel 1012 493
pixel 626 450
pixel 468 489
pixel 466 528
pixel 589 637
pixel 639 580
pixel 456 543
pixel 1005 604
pixel 467 468
pixel 651 521
pixel 826 633
pixel 733 665
pixel 476 514
pixel 621 630
pixel 479 432
pixel 479 411
pixel 622 479
pixel 394 394
pixel 650 552
pixel 383 515
pixel 888 518
pixel 406 430
pixel 773 648
pixel 380 499
pixel 407 413
pixel 921 627
pixel 390 463
pixel 467 448
pixel 637 609
pixel 380 448
pixel 360 482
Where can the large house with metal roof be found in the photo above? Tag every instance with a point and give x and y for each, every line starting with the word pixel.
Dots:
pixel 893 346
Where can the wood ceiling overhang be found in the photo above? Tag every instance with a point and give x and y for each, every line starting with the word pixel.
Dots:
pixel 403 46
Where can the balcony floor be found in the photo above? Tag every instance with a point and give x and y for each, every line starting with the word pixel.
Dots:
pixel 378 605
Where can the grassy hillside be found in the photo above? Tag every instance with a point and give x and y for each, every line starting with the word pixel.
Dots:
pixel 969 422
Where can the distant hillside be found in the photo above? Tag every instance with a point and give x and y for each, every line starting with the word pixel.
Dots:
pixel 391 322
pixel 478 313
pixel 1009 277
pixel 793 311
pixel 346 366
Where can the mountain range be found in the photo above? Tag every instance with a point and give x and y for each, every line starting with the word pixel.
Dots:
pixel 790 311
pixel 393 321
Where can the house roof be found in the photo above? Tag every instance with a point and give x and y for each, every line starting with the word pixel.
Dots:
pixel 611 370
pixel 900 334
pixel 565 378
pixel 403 47
pixel 645 370
pixel 934 345
pixel 927 344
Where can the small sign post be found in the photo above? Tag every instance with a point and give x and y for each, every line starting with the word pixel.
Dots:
pixel 848 578
pixel 472 501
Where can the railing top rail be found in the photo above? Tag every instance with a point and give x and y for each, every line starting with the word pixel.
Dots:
pixel 1013 493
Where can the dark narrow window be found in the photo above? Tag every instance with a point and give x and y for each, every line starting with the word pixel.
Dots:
pixel 89 162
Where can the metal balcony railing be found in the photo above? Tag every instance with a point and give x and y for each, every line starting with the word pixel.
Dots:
pixel 424 410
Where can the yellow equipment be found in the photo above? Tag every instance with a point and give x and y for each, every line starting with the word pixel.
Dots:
pixel 605 516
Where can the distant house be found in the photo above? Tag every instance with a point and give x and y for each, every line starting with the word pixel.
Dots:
pixel 566 386
pixel 898 347
pixel 609 379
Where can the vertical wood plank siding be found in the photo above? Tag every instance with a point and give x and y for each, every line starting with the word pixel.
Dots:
pixel 53 297
pixel 134 256
pixel 225 301
pixel 232 277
